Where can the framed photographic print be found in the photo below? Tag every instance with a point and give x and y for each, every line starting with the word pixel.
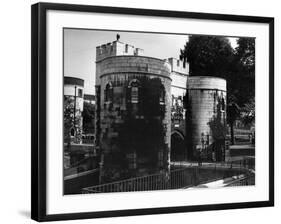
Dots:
pixel 139 111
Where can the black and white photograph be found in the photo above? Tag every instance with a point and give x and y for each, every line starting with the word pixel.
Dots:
pixel 140 111
pixel 146 111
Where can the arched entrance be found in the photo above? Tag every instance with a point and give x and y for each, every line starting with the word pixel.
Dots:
pixel 178 148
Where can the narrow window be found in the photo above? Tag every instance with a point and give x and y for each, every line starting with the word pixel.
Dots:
pixel 126 48
pixel 108 93
pixel 134 91
pixel 222 104
pixel 80 93
pixel 208 139
pixel 162 95
pixel 134 94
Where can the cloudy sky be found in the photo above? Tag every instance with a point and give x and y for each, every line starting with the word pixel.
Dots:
pixel 80 49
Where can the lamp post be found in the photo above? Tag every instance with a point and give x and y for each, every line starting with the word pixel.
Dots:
pixel 74 113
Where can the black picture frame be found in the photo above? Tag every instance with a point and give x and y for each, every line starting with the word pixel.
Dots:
pixel 38 108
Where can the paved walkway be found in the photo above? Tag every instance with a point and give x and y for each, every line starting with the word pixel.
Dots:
pixel 208 165
pixel 248 146
pixel 221 183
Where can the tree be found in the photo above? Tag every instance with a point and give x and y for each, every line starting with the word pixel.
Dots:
pixel 243 81
pixel 68 117
pixel 233 112
pixel 70 122
pixel 88 118
pixel 208 55
pixel 248 113
pixel 246 53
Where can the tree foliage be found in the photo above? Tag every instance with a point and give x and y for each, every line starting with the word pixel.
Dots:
pixel 146 135
pixel 68 118
pixel 242 81
pixel 246 53
pixel 248 113
pixel 208 55
pixel 88 118
pixel 245 91
pixel 217 125
pixel 71 122
pixel 233 112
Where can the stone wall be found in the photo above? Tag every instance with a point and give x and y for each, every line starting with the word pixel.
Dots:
pixel 178 93
pixel 179 75
pixel 206 116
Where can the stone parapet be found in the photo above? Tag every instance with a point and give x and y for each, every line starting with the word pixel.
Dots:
pixel 134 64
pixel 179 66
pixel 206 82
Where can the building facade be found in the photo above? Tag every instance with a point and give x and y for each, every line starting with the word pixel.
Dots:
pixel 179 75
pixel 73 108
pixel 149 111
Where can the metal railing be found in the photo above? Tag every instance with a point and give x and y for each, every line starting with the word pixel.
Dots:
pixel 247 163
pixel 178 178
pixel 244 181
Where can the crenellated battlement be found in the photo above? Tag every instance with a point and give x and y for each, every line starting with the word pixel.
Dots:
pixel 179 66
pixel 116 48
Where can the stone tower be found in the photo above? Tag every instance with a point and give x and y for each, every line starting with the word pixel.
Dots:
pixel 206 117
pixel 133 112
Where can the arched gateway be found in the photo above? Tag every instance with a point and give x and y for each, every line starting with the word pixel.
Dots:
pixel 178 146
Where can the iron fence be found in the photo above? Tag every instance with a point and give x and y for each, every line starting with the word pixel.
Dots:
pixel 244 181
pixel 177 179
pixel 182 177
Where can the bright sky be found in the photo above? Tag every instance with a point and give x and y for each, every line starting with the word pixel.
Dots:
pixel 80 49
